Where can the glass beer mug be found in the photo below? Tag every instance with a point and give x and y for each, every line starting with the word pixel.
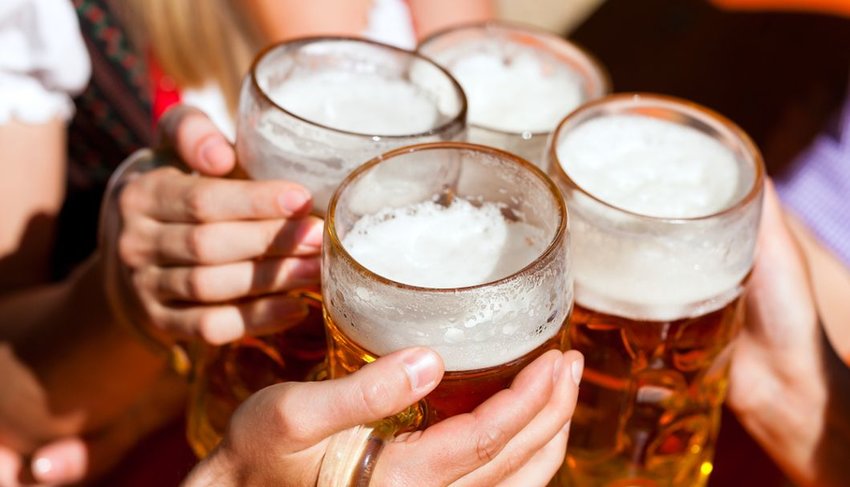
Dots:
pixel 310 111
pixel 457 247
pixel 665 199
pixel 520 82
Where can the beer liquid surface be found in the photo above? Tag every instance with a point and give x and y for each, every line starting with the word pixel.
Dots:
pixel 517 92
pixel 362 103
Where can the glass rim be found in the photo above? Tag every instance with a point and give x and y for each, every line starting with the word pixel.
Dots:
pixel 458 118
pixel 576 52
pixel 670 104
pixel 554 243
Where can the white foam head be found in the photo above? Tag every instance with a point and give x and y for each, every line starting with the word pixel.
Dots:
pixel 440 249
pixel 640 262
pixel 430 245
pixel 518 94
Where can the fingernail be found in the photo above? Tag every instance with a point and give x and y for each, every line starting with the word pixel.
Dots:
pixel 294 200
pixel 47 469
pixel 216 153
pixel 556 368
pixel 577 367
pixel 421 368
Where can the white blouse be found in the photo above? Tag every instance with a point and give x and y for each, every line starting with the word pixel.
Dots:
pixel 44 62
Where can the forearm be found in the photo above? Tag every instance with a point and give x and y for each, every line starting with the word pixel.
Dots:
pixel 69 358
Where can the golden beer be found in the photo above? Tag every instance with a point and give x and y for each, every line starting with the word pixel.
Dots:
pixel 649 402
pixel 665 200
pixel 459 392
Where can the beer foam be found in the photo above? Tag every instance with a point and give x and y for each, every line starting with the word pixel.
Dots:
pixel 462 245
pixel 644 268
pixel 651 166
pixel 430 245
pixel 362 103
pixel 517 94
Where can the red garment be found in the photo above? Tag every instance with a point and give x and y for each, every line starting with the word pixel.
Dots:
pixel 165 90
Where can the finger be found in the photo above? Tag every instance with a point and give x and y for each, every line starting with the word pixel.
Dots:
pixel 223 242
pixel 306 413
pixel 169 195
pixel 10 466
pixel 457 446
pixel 215 284
pixel 224 323
pixel 543 466
pixel 543 428
pixel 780 276
pixel 62 462
pixel 196 140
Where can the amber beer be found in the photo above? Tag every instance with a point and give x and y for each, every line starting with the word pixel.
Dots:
pixel 478 272
pixel 665 199
pixel 459 391
pixel 310 111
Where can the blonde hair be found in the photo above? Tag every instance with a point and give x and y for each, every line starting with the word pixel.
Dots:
pixel 196 41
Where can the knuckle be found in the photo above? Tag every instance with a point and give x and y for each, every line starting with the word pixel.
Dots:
pixel 198 285
pixel 129 251
pixel 489 443
pixel 285 418
pixel 199 202
pixel 376 398
pixel 199 242
pixel 130 199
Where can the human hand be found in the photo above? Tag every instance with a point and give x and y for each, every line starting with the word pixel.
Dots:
pixel 517 437
pixel 60 453
pixel 786 384
pixel 212 257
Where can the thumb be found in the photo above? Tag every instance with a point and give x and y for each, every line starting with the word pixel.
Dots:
pixel 196 140
pixel 307 413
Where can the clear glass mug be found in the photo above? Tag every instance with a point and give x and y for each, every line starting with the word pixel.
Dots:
pixel 520 82
pixel 310 111
pixel 664 199
pixel 457 247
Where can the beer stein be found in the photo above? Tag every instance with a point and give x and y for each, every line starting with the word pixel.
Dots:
pixel 453 246
pixel 665 200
